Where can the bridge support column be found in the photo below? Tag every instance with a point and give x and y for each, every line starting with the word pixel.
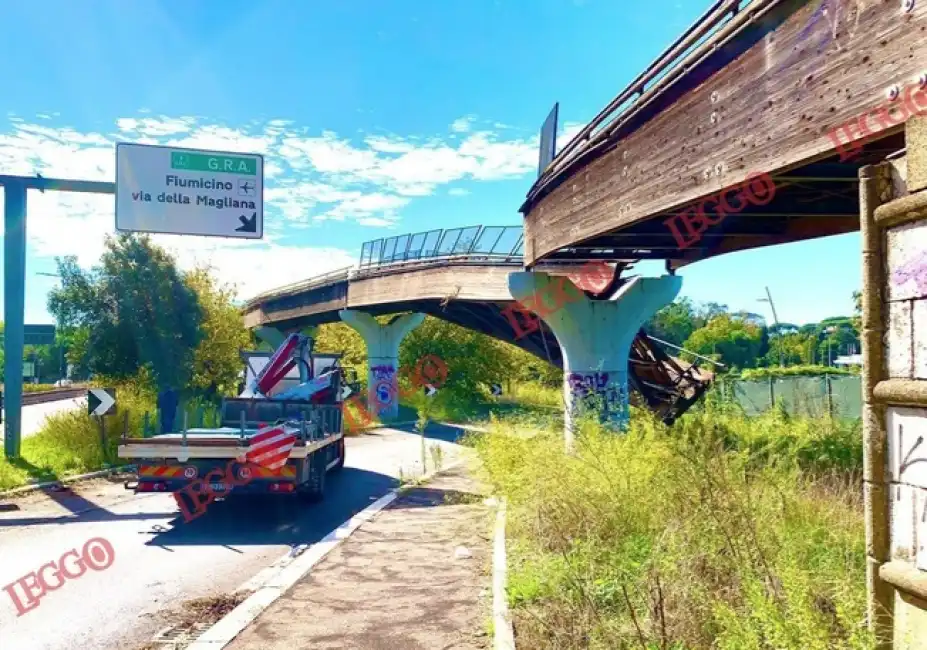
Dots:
pixel 270 335
pixel 595 337
pixel 382 357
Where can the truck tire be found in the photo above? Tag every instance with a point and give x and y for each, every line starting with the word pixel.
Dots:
pixel 314 488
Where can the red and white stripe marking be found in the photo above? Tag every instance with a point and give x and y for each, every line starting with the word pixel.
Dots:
pixel 271 446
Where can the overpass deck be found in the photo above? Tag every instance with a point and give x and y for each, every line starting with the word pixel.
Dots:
pixel 801 91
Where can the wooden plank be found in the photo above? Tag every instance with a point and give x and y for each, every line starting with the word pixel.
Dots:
pixel 743 119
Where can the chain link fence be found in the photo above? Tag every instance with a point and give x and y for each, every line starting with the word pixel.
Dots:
pixel 839 395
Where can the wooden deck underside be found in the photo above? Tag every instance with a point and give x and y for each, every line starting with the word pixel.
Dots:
pixel 761 103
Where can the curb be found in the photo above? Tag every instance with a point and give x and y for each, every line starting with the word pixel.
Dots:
pixel 293 566
pixel 68 479
pixel 389 425
pixel 503 633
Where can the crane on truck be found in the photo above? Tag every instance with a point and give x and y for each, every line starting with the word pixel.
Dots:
pixel 281 435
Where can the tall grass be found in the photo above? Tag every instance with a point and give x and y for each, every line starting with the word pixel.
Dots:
pixel 721 532
pixel 70 442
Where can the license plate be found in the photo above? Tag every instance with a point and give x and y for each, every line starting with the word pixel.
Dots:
pixel 217 486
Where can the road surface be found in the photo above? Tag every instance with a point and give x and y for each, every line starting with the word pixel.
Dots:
pixel 34 415
pixel 160 561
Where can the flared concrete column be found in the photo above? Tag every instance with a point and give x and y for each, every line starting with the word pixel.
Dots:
pixel 382 357
pixel 595 337
pixel 270 335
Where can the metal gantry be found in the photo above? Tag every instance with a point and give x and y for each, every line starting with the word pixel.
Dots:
pixel 14 287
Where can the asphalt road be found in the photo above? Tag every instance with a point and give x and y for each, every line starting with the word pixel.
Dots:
pixel 160 561
pixel 34 415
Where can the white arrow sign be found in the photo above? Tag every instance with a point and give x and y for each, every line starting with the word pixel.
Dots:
pixel 496 390
pixel 430 390
pixel 345 392
pixel 99 401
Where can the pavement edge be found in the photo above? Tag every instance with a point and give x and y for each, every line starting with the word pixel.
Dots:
pixel 63 481
pixel 224 631
pixel 503 632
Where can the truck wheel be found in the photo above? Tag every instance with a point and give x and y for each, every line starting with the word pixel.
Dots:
pixel 314 488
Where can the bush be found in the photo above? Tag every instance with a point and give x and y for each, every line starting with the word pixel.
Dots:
pixel 708 535
pixel 791 371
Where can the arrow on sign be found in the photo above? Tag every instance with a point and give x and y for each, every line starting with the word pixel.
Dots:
pixel 496 390
pixel 345 392
pixel 247 225
pixel 100 400
pixel 430 390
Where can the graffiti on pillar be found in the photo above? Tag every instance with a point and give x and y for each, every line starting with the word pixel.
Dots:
pixel 381 373
pixel 915 269
pixel 592 389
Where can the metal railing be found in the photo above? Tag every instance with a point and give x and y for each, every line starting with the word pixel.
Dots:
pixel 303 285
pixel 504 243
pixel 719 24
pixel 471 243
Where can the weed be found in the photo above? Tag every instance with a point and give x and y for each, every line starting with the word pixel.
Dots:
pixel 721 532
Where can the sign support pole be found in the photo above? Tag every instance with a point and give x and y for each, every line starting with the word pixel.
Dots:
pixel 102 418
pixel 14 290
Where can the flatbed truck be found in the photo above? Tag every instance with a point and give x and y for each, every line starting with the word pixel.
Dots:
pixel 294 393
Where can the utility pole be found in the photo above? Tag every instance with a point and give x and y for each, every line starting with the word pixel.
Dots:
pixel 769 299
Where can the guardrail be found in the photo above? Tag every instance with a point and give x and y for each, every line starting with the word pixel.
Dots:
pixel 719 24
pixel 338 275
pixel 470 244
pixel 44 396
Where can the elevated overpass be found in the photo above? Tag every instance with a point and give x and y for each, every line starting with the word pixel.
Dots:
pixel 803 91
pixel 824 101
pixel 461 275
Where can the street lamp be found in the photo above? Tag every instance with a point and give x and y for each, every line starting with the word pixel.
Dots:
pixel 769 299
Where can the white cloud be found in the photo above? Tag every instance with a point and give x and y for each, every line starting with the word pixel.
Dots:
pixel 462 124
pixel 567 133
pixel 309 179
pixel 458 191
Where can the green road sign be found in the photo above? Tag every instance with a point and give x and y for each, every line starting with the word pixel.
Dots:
pixel 198 162
pixel 39 334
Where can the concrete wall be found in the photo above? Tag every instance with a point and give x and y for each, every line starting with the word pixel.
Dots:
pixel 894 233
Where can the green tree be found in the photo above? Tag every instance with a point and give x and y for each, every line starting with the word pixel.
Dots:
pixel 473 360
pixel 217 366
pixel 729 339
pixel 136 310
pixel 675 322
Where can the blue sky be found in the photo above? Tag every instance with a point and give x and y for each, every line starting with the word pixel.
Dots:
pixel 375 118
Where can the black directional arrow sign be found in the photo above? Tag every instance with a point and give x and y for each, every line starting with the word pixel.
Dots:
pixel 100 401
pixel 247 224
pixel 496 390
pixel 430 390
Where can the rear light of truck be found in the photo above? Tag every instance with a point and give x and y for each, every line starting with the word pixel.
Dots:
pixel 282 487
pixel 152 486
